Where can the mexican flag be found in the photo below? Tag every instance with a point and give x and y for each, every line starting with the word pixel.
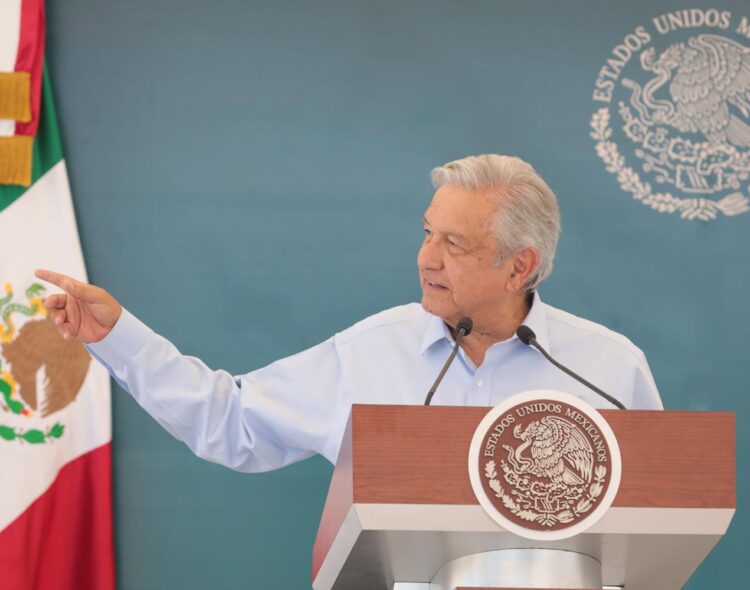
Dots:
pixel 55 426
pixel 21 62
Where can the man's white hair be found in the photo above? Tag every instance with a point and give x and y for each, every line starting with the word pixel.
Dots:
pixel 527 214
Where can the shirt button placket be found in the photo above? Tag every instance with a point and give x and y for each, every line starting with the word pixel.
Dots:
pixel 481 391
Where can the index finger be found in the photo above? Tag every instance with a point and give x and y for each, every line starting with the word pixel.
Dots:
pixel 66 283
pixel 51 276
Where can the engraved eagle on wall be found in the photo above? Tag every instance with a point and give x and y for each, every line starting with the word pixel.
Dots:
pixel 707 75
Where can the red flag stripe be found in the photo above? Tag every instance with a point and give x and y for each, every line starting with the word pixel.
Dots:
pixel 64 539
pixel 30 58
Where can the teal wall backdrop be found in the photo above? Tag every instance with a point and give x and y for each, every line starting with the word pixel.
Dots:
pixel 249 178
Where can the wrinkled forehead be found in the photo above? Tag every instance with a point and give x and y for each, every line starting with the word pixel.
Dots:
pixel 468 211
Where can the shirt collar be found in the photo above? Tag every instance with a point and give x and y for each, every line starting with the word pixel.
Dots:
pixel 436 331
pixel 536 319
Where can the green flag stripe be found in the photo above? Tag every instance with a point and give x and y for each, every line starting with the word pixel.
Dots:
pixel 47 147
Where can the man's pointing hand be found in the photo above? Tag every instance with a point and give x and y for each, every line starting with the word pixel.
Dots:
pixel 84 312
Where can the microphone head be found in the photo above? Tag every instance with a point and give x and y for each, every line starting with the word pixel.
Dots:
pixel 525 334
pixel 464 325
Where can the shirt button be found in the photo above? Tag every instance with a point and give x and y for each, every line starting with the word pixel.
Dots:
pixel 480 383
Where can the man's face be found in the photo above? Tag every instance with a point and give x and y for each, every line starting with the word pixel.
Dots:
pixel 455 261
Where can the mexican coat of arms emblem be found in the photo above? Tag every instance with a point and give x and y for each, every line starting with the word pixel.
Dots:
pixel 544 465
pixel 672 120
pixel 40 373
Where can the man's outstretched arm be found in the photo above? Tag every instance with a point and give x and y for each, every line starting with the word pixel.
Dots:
pixel 254 422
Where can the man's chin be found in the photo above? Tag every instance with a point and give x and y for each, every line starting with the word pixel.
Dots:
pixel 433 307
pixel 428 305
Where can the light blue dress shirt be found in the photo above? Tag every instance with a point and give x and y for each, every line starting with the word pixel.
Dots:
pixel 299 405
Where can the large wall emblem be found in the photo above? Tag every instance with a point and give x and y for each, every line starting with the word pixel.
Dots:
pixel 672 121
pixel 40 373
pixel 544 465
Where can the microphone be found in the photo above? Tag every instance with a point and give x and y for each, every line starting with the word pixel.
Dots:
pixel 463 328
pixel 527 336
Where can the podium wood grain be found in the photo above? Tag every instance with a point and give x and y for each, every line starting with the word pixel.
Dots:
pixel 668 457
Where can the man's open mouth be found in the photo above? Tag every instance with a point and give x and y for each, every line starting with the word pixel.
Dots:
pixel 436 285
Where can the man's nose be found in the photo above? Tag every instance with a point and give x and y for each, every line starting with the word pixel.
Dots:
pixel 429 255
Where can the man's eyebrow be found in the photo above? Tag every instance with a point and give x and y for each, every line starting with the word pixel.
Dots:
pixel 460 237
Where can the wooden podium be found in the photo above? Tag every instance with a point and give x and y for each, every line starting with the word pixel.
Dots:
pixel 400 505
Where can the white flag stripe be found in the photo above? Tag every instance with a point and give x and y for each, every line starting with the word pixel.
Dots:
pixel 10 31
pixel 39 230
pixel 40 227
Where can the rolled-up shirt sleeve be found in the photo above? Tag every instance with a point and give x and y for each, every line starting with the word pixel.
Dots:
pixel 263 420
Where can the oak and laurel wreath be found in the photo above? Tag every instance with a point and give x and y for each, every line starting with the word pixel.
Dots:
pixel 33 436
pixel 695 208
pixel 564 516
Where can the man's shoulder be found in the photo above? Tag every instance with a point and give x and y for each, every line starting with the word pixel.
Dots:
pixel 566 327
pixel 400 320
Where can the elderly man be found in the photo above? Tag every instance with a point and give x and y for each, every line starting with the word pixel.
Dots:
pixel 490 234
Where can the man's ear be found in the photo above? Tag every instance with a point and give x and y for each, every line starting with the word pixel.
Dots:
pixel 524 262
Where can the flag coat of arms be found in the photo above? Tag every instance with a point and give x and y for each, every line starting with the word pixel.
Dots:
pixel 55 425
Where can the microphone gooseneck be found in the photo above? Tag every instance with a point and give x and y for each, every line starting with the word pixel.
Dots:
pixel 463 328
pixel 527 336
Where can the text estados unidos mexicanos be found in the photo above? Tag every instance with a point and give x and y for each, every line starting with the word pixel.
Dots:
pixel 666 23
pixel 548 408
